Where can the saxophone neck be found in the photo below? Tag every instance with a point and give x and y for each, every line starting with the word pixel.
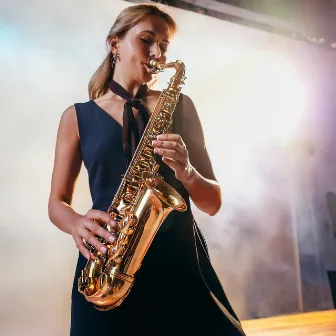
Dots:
pixel 159 67
pixel 175 81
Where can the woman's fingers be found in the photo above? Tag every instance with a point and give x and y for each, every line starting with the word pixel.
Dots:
pixel 81 247
pixel 172 148
pixel 172 154
pixel 96 228
pixel 173 145
pixel 89 228
pixel 170 137
pixel 100 216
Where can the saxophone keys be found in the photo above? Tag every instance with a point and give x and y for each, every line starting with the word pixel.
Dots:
pixel 127 230
pixel 128 198
pixel 111 252
pixel 144 164
pixel 130 231
pixel 117 253
pixel 118 259
pixel 124 242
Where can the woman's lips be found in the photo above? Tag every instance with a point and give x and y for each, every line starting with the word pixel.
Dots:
pixel 148 69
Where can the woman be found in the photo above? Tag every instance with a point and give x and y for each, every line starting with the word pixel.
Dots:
pixel 176 289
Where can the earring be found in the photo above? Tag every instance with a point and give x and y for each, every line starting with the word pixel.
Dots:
pixel 113 60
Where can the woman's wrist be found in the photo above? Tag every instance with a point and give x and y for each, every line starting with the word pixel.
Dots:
pixel 190 176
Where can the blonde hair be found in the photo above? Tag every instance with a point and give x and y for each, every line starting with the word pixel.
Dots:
pixel 127 19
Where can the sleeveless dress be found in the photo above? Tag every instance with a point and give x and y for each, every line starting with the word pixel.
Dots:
pixel 176 290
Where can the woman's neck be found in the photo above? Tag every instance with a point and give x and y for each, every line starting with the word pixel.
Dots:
pixel 130 86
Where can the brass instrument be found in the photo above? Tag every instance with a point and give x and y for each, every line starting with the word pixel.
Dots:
pixel 141 204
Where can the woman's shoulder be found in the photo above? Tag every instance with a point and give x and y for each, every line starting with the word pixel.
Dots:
pixel 79 108
pixel 71 113
pixel 82 104
pixel 68 123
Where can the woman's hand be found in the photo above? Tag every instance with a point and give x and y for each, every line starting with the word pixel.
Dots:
pixel 175 154
pixel 90 224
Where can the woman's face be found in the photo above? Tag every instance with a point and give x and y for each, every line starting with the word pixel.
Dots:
pixel 144 42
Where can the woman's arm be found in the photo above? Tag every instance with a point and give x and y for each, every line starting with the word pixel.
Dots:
pixel 202 185
pixel 205 193
pixel 188 157
pixel 67 165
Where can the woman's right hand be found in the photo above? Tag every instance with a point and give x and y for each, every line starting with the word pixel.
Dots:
pixel 90 224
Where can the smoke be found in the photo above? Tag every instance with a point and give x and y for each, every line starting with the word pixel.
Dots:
pixel 48 52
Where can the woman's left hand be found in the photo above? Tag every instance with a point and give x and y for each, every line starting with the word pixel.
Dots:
pixel 175 154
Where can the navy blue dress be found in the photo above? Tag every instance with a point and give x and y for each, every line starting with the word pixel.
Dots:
pixel 176 291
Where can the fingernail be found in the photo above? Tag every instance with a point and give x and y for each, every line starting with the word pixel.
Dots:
pixel 103 249
pixel 87 255
pixel 111 238
pixel 156 150
pixel 154 142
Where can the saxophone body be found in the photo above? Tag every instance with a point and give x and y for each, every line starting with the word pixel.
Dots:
pixel 141 204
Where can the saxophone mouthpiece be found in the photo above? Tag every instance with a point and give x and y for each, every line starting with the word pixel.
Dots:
pixel 156 66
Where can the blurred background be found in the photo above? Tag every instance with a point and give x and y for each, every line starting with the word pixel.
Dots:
pixel 262 76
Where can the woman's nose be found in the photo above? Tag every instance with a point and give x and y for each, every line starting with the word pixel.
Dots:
pixel 156 51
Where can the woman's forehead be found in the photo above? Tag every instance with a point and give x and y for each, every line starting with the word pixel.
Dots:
pixel 153 25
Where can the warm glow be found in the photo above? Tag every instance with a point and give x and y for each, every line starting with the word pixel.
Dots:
pixel 266 102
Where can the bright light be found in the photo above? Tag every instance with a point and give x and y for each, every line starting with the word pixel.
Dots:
pixel 266 100
pixel 262 105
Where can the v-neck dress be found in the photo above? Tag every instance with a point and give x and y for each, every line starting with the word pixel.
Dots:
pixel 176 290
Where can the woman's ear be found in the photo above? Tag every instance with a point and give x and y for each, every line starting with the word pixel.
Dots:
pixel 113 42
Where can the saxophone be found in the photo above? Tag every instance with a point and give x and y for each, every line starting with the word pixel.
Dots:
pixel 139 207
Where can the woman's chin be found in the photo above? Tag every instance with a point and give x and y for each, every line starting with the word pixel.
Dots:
pixel 147 77
pixel 147 73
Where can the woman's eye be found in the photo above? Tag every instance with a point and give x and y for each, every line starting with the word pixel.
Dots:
pixel 145 40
